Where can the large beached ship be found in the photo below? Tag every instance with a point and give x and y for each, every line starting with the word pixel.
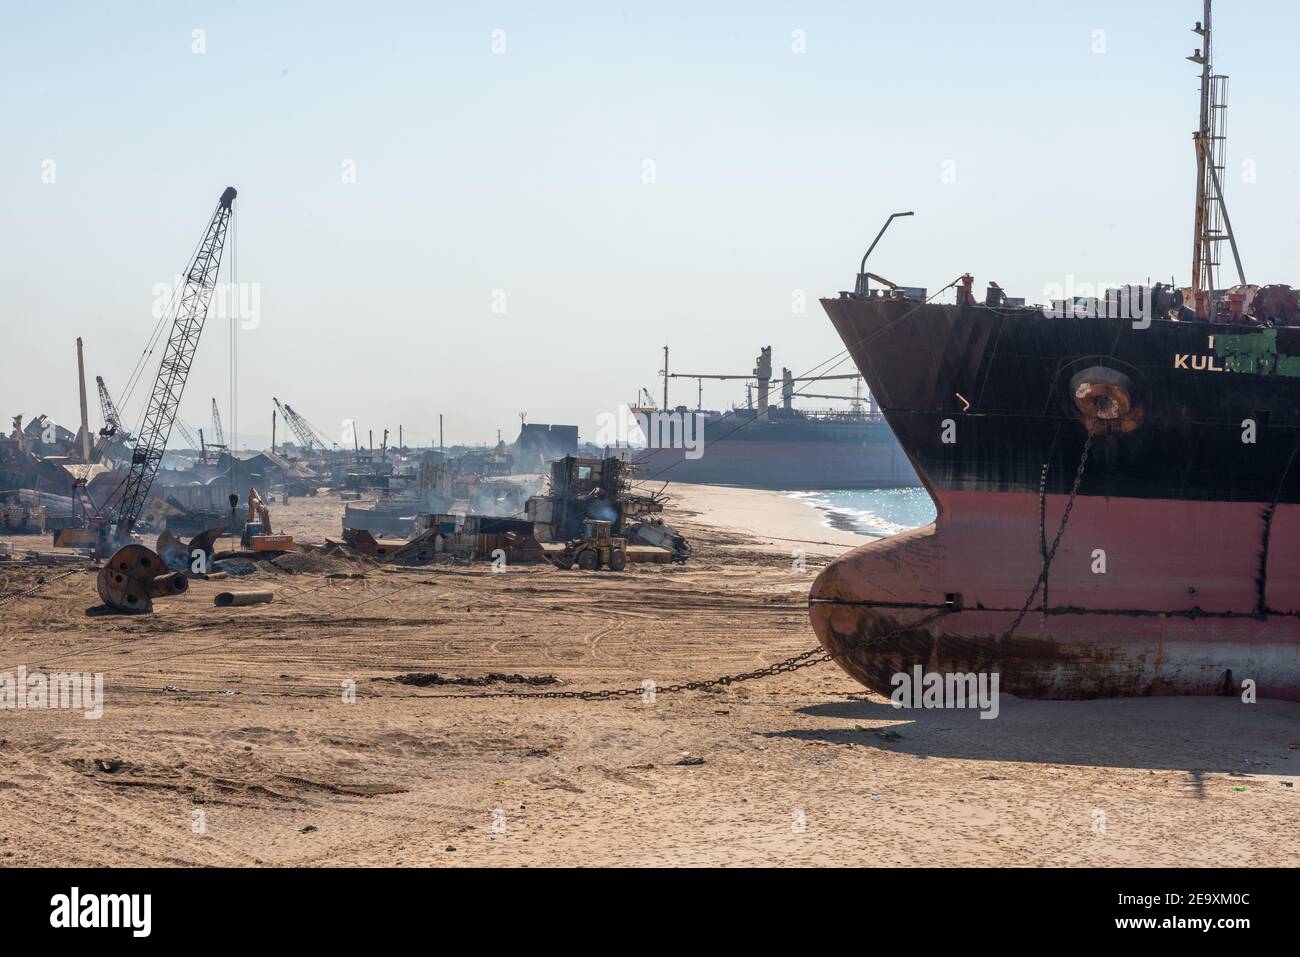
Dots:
pixel 1116 480
pixel 777 446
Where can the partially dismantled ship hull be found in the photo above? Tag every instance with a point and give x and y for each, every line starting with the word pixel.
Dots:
pixel 1178 570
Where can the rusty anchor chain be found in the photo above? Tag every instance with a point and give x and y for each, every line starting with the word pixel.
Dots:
pixel 816 656
pixel 805 659
pixel 28 592
pixel 1041 581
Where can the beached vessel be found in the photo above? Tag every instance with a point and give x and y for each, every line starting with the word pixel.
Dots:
pixel 777 446
pixel 1153 433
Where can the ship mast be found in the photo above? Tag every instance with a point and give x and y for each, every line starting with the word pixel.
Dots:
pixel 1212 222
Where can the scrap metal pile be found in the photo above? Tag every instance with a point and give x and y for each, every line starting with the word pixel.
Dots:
pixel 587 517
pixel 583 490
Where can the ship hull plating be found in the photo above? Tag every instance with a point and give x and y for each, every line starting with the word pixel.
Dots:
pixel 1179 569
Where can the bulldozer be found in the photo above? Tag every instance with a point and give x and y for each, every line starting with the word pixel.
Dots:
pixel 597 548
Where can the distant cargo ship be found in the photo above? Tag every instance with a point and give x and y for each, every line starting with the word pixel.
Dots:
pixel 781 447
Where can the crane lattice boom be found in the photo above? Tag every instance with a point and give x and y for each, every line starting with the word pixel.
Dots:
pixel 188 435
pixel 216 427
pixel 112 418
pixel 306 427
pixel 183 340
pixel 301 431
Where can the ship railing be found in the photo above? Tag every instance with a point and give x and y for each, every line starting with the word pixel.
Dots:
pixel 836 415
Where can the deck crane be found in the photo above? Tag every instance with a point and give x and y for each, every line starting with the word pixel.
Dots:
pixel 761 375
pixel 182 341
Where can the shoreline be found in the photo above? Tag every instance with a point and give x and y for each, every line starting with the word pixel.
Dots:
pixel 836 518
pixel 873 520
pixel 773 520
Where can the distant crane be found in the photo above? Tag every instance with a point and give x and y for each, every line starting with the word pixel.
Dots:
pixel 216 427
pixel 191 440
pixel 301 433
pixel 307 436
pixel 178 356
pixel 645 402
pixel 220 444
pixel 285 415
pixel 112 418
pixel 316 433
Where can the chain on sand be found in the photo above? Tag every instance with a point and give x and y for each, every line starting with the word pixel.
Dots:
pixel 815 656
pixel 38 586
pixel 806 659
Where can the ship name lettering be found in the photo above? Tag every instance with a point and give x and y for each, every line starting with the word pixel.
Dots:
pixel 1197 363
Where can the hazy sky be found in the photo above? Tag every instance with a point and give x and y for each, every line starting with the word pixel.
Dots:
pixel 615 175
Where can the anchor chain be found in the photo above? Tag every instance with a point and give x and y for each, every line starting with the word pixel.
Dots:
pixel 815 656
pixel 806 659
pixel 1050 554
pixel 26 593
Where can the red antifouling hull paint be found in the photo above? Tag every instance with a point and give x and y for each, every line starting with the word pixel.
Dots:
pixel 1178 571
pixel 1144 597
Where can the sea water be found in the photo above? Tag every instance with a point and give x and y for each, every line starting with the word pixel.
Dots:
pixel 874 512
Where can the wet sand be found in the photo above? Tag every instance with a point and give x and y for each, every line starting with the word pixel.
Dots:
pixel 226 737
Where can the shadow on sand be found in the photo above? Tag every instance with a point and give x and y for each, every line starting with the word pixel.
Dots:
pixel 1196 735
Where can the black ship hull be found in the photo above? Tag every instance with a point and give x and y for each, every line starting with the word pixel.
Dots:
pixel 1178 569
pixel 1003 377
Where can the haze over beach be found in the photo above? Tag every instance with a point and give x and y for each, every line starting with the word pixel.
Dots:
pixel 615 178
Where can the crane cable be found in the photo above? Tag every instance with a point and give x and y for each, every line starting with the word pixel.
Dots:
pixel 167 314
pixel 233 304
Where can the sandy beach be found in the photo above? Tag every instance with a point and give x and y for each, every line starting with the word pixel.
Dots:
pixel 772 521
pixel 229 736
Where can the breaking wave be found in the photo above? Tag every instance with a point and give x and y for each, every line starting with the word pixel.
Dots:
pixel 878 513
